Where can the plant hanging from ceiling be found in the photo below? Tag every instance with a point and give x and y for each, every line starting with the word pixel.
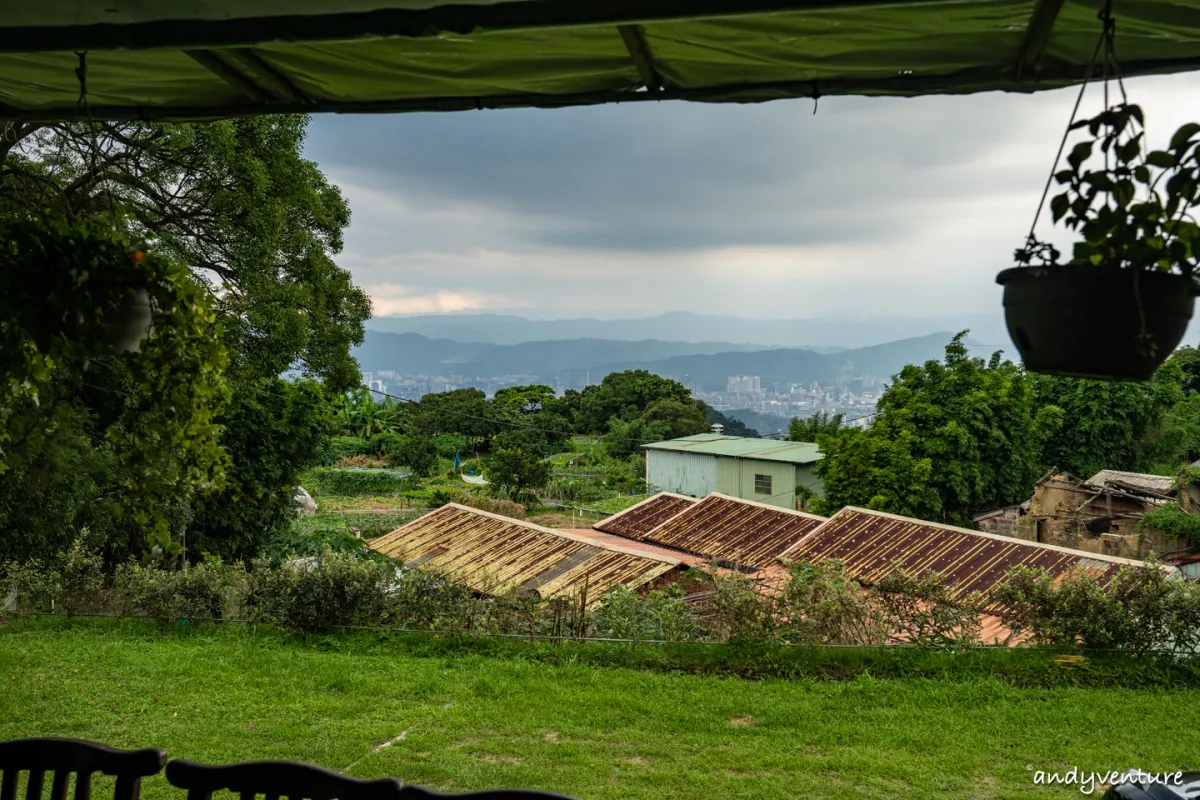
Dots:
pixel 76 294
pixel 1121 303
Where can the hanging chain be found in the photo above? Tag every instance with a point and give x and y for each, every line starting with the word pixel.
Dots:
pixel 1103 45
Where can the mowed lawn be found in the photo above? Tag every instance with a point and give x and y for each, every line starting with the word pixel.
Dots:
pixel 472 722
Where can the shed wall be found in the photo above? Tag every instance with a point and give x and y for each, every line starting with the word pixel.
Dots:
pixel 683 473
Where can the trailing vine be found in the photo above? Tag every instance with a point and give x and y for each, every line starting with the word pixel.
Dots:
pixel 1174 522
pixel 63 287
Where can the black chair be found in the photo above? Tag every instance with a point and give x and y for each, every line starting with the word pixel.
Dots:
pixel 65 757
pixel 298 781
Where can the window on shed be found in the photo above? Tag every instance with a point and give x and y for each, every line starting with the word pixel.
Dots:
pixel 762 484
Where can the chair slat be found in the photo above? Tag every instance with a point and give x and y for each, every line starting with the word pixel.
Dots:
pixel 128 788
pixel 58 789
pixel 83 786
pixel 33 789
pixel 8 784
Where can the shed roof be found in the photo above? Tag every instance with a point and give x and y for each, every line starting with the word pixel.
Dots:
pixel 494 554
pixel 637 520
pixel 715 444
pixel 734 531
pixel 1162 484
pixel 213 58
pixel 872 544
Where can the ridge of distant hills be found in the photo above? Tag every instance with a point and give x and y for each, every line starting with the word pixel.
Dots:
pixel 705 363
pixel 817 335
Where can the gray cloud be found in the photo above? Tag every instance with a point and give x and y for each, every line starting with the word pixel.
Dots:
pixel 873 205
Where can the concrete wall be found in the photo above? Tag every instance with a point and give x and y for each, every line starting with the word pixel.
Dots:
pixel 689 474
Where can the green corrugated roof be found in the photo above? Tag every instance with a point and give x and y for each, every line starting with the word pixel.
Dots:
pixel 714 444
pixel 153 59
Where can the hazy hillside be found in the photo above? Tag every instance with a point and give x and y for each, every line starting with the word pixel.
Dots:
pixel 794 365
pixel 819 335
pixel 411 353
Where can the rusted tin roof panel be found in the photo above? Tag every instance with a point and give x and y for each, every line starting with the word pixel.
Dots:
pixel 736 531
pixel 873 544
pixel 494 554
pixel 1162 484
pixel 636 521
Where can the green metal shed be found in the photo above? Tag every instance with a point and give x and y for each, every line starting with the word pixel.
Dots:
pixel 763 470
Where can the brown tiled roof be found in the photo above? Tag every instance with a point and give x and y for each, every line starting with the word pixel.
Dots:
pixel 872 544
pixel 635 521
pixel 733 531
pixel 494 554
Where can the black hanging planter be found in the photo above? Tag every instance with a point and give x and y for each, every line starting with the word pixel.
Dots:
pixel 1086 321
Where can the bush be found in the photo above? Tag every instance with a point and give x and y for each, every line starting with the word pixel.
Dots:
pixel 660 616
pixel 920 609
pixel 419 454
pixel 426 600
pixel 346 482
pixel 448 446
pixel 340 446
pixel 37 586
pixel 1141 609
pixel 322 593
pixel 739 612
pixel 81 578
pixel 821 604
pixel 201 592
pixel 493 505
pixel 387 444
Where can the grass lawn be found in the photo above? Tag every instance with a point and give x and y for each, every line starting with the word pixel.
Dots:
pixel 474 722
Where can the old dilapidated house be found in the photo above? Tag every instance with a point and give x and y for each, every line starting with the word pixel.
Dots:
pixel 1099 515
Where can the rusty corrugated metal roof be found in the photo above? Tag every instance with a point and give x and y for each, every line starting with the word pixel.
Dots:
pixel 734 531
pixel 494 554
pixel 872 544
pixel 636 521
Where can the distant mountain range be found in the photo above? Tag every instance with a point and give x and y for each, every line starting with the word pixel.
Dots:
pixel 705 363
pixel 817 335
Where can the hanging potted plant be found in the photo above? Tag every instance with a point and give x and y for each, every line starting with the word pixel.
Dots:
pixel 1118 306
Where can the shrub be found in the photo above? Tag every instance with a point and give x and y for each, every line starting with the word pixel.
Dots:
pixel 739 612
pixel 448 446
pixel 1140 609
pixel 387 443
pixel 360 462
pixel 346 482
pixel 1174 522
pixel 427 600
pixel 921 610
pixel 321 593
pixel 205 591
pixel 36 584
pixel 821 604
pixel 419 454
pixel 82 577
pixel 493 505
pixel 661 615
pixel 341 446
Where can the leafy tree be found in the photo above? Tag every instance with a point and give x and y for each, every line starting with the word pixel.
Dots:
pixel 673 418
pixel 1112 425
pixel 517 470
pixel 1188 360
pixel 360 414
pixel 273 431
pixel 950 439
pixel 420 454
pixel 465 412
pixel 732 426
pixel 808 429
pixel 519 400
pixel 622 395
pixel 233 200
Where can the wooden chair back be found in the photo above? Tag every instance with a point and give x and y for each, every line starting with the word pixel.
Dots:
pixel 66 757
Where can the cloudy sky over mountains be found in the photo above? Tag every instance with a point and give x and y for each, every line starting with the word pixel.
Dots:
pixel 871 206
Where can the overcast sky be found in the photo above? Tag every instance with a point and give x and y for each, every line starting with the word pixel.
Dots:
pixel 871 206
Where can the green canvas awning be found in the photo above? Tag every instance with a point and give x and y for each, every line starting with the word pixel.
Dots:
pixel 156 59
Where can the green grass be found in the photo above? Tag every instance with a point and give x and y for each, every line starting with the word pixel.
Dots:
pixel 460 721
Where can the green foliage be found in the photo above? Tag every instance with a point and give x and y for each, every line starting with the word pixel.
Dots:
pixel 273 431
pixel 949 440
pixel 62 285
pixel 425 600
pixel 821 604
pixel 348 482
pixel 322 593
pixel 464 412
pixel 1113 425
pixel 341 446
pixel 739 612
pixel 36 584
pixel 1174 522
pixel 419 454
pixel 1141 609
pixel 1132 213
pixel 386 444
pixel 514 471
pixel 730 425
pixel 360 415
pixel 621 395
pixel 920 610
pixel 818 424
pixel 204 591
pixel 311 536
pixel 449 446
pixel 659 616
pixel 81 576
